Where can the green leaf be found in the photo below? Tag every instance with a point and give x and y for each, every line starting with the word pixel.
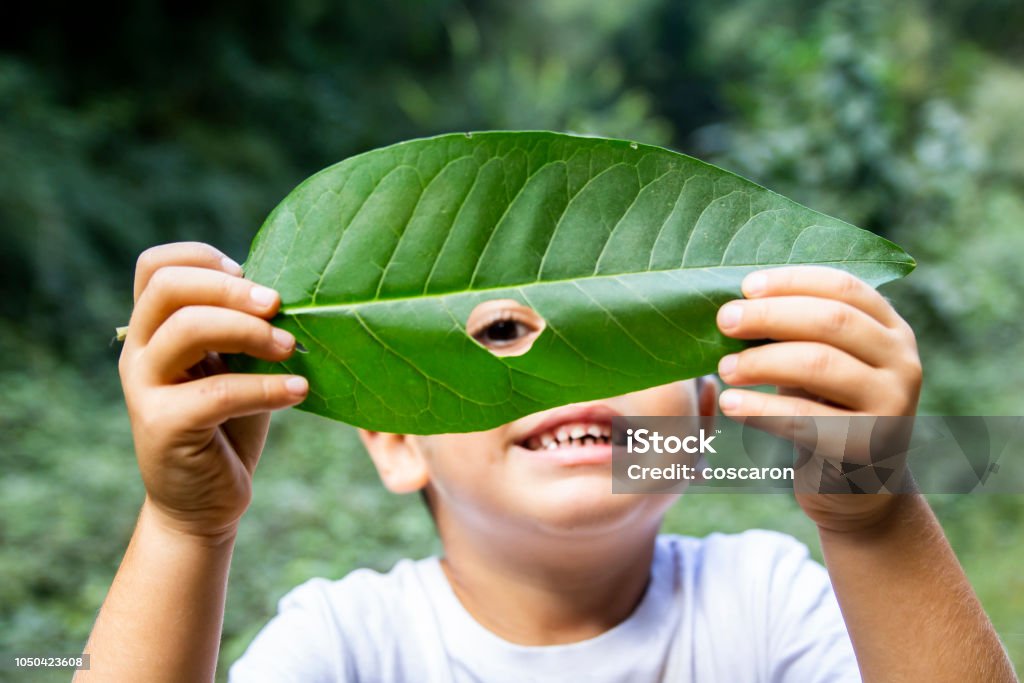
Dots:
pixel 625 250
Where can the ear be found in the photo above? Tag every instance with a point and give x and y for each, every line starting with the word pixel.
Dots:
pixel 399 460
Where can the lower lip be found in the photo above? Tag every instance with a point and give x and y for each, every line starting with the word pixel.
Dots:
pixel 591 454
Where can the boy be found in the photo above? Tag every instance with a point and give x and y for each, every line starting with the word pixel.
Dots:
pixel 546 575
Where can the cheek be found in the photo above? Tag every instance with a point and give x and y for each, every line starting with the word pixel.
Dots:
pixel 462 462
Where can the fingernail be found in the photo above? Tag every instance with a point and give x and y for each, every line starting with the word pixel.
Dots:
pixel 729 316
pixel 754 284
pixel 230 265
pixel 729 400
pixel 283 338
pixel 727 365
pixel 296 385
pixel 262 295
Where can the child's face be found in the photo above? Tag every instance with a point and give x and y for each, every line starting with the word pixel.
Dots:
pixel 532 475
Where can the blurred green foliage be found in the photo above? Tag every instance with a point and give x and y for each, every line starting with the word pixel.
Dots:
pixel 166 122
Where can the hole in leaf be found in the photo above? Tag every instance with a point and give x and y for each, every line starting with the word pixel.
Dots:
pixel 504 327
pixel 300 347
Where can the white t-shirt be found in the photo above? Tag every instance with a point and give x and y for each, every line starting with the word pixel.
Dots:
pixel 726 608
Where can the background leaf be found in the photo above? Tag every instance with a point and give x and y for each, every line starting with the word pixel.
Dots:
pixel 625 250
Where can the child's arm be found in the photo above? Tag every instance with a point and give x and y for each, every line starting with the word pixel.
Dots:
pixel 198 435
pixel 843 350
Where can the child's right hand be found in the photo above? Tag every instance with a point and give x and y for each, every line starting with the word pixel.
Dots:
pixel 199 430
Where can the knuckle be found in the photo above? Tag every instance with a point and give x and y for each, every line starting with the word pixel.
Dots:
pixel 835 320
pixel 887 305
pixel 894 340
pixel 187 321
pixel 908 360
pixel 802 408
pixel 914 369
pixel 249 331
pixel 144 265
pixel 147 259
pixel 818 362
pixel 219 392
pixel 847 285
pixel 270 388
pixel 207 250
pixel 162 279
pixel 228 289
pixel 194 250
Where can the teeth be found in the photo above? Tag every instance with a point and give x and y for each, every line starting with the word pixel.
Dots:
pixel 580 434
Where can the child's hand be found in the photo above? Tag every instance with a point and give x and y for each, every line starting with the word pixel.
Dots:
pixel 199 432
pixel 841 350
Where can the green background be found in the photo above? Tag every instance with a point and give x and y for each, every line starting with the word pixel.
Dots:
pixel 164 123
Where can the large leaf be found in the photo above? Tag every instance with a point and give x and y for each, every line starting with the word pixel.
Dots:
pixel 625 250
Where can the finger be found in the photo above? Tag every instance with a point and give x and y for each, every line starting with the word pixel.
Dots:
pixel 247 433
pixel 192 332
pixel 746 404
pixel 195 254
pixel 793 418
pixel 824 282
pixel 173 287
pixel 865 450
pixel 805 318
pixel 819 369
pixel 813 434
pixel 208 402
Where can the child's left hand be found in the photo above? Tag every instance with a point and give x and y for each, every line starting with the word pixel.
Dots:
pixel 841 350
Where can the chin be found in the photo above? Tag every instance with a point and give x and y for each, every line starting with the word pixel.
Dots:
pixel 586 505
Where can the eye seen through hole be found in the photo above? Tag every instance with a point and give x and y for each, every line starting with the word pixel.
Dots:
pixel 504 327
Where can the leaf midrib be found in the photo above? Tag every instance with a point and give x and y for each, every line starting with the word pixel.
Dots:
pixel 299 310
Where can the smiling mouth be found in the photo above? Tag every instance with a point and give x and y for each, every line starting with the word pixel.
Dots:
pixel 570 435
